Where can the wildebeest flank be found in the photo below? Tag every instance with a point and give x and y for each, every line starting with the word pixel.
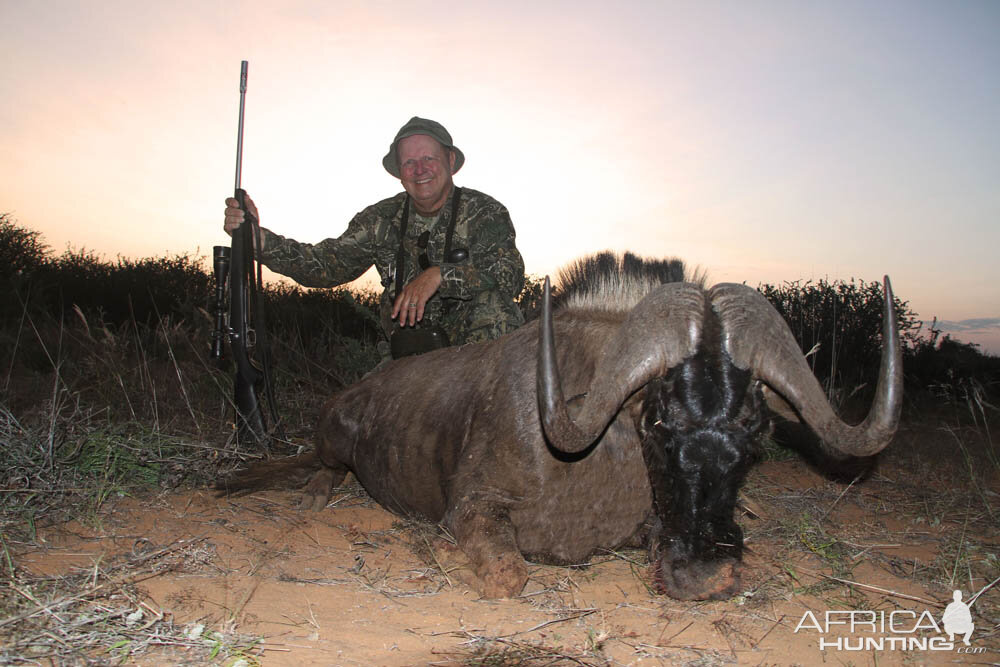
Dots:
pixel 664 384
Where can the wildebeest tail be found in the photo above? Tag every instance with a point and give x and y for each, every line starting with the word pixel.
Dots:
pixel 292 472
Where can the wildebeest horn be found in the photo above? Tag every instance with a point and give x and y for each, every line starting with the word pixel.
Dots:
pixel 757 337
pixel 660 332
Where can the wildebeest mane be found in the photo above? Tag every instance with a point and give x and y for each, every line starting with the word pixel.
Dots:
pixel 609 281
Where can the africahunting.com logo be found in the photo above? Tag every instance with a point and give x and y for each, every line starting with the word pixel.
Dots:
pixel 899 630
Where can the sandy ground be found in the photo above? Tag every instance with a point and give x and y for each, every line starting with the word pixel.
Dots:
pixel 356 585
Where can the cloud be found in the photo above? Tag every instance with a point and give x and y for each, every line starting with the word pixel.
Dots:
pixel 967 326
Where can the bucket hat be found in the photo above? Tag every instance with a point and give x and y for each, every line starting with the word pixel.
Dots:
pixel 417 125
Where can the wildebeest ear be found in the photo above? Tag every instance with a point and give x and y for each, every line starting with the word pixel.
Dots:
pixel 779 406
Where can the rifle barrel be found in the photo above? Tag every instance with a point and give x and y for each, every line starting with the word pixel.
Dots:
pixel 239 137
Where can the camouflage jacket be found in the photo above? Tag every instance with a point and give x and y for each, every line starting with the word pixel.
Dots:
pixel 476 299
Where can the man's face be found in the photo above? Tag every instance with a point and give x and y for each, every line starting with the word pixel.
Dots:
pixel 425 171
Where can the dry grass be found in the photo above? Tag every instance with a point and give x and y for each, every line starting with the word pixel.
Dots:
pixel 98 615
pixel 921 491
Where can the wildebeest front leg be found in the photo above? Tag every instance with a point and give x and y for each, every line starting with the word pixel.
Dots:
pixel 486 536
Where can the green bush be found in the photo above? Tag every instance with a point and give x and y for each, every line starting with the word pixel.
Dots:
pixel 838 325
pixel 123 290
pixel 944 367
pixel 21 250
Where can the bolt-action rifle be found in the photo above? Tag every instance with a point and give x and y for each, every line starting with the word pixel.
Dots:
pixel 245 328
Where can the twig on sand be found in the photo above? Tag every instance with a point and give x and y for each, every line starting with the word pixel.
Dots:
pixel 884 591
pixel 474 637
pixel 571 617
pixel 842 493
pixel 437 562
pixel 776 624
pixel 983 590
pixel 532 649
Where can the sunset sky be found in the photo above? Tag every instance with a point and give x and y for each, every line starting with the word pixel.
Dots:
pixel 763 141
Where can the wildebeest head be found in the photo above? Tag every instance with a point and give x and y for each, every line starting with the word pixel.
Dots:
pixel 701 357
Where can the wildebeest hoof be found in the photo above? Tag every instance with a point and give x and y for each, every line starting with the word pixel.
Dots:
pixel 712 580
pixel 317 492
pixel 504 576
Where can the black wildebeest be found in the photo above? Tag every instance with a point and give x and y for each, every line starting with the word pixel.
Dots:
pixel 664 384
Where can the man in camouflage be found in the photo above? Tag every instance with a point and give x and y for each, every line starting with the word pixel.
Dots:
pixel 469 294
